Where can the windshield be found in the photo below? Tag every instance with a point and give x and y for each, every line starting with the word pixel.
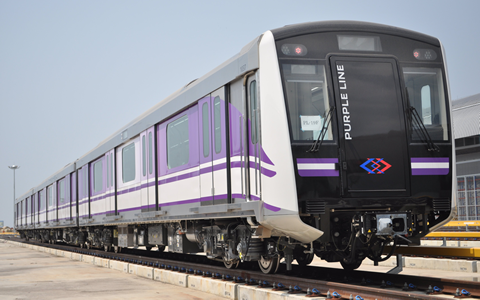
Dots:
pixel 307 100
pixel 426 95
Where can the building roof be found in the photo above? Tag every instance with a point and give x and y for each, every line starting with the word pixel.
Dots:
pixel 466 116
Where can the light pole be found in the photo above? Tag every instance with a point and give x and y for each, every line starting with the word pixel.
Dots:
pixel 14 167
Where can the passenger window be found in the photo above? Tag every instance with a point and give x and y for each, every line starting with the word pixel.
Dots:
pixel 85 181
pixel 253 111
pixel 128 163
pixel 217 124
pixel 108 171
pixel 111 170
pixel 50 196
pixel 150 154
pixel 425 93
pixel 98 176
pixel 61 191
pixel 144 157
pixel 426 105
pixel 205 131
pixel 178 143
pixel 307 100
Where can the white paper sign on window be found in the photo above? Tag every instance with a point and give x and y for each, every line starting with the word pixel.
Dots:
pixel 311 123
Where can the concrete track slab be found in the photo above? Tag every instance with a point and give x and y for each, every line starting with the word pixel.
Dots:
pixel 29 274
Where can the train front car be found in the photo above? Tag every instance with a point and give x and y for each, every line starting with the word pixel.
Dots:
pixel 370 134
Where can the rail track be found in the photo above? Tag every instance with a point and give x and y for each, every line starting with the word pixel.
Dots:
pixel 307 281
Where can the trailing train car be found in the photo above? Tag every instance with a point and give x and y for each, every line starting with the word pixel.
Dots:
pixel 327 138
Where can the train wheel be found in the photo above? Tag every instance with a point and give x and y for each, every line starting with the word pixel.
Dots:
pixel 304 259
pixel 351 266
pixel 231 264
pixel 117 249
pixel 148 248
pixel 161 248
pixel 107 248
pixel 269 265
pixel 81 245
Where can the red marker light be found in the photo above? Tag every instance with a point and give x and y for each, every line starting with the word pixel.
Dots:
pixel 416 54
pixel 294 49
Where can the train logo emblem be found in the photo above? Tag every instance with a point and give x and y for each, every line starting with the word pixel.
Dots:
pixel 375 166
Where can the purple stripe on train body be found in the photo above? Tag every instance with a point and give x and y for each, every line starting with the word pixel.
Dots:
pixel 149 206
pixel 271 207
pixel 318 173
pixel 179 177
pixel 317 160
pixel 263 170
pixel 129 209
pixel 102 197
pixel 267 172
pixel 439 171
pixel 148 184
pixel 220 166
pixel 206 170
pixel 98 214
pixel 417 171
pixel 266 205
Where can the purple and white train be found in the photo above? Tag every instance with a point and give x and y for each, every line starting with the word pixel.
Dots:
pixel 327 138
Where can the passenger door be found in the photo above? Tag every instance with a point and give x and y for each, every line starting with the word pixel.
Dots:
pixel 205 145
pixel 110 185
pixel 147 145
pixel 213 150
pixel 371 114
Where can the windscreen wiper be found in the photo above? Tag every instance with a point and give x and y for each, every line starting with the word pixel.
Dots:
pixel 327 120
pixel 418 123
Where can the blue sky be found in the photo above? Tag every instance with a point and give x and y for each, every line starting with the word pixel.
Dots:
pixel 74 72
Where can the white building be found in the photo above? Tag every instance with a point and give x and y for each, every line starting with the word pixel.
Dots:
pixel 466 123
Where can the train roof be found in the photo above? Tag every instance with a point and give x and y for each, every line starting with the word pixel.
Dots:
pixel 330 26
